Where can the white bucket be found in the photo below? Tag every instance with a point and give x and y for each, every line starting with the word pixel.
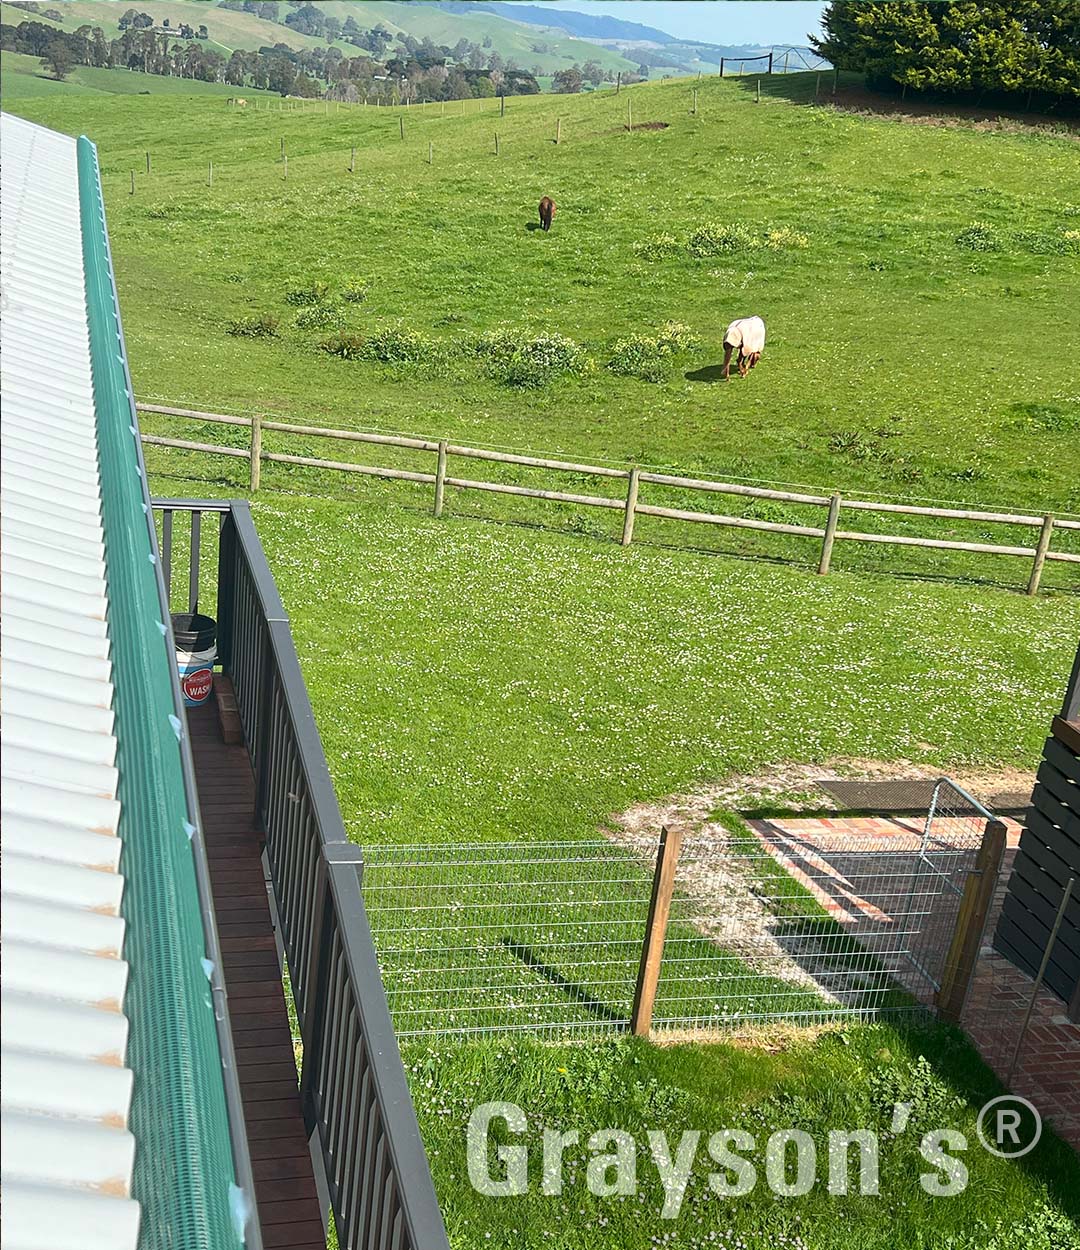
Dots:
pixel 196 675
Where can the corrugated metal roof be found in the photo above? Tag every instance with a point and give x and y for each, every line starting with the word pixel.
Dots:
pixel 67 1151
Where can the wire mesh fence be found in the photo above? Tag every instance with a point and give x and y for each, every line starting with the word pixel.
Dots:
pixel 765 925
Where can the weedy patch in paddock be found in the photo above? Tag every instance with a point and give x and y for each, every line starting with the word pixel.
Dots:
pixel 264 327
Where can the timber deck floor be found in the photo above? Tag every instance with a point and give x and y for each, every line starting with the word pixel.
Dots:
pixel 280 1158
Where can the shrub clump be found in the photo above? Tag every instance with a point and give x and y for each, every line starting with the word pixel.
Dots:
pixel 657 247
pixel 980 236
pixel 649 357
pixel 398 345
pixel 304 296
pixel 784 238
pixel 354 290
pixel 264 327
pixel 530 363
pixel 345 346
pixel 321 316
pixel 715 239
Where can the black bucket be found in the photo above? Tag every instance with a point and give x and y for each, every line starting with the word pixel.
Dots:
pixel 194 632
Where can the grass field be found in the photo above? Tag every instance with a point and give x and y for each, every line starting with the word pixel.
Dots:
pixel 896 364
pixel 486 677
pixel 23 78
pixel 839 1079
pixel 484 682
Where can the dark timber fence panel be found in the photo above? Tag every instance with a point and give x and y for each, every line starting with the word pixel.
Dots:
pixel 353 1089
pixel 1048 856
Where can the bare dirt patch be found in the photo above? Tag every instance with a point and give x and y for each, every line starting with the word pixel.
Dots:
pixel 794 786
pixel 642 126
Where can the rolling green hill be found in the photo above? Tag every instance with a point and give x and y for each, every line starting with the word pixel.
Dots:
pixel 22 77
pixel 856 239
pixel 229 29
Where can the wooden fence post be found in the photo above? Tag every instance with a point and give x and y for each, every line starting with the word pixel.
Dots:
pixel 285 160
pixel 631 506
pixel 695 103
pixel 770 63
pixel 757 91
pixel 558 130
pixel 970 923
pixel 210 174
pixel 256 452
pixel 148 162
pixel 440 478
pixel 721 67
pixel 618 82
pixel 830 534
pixel 652 949
pixel 430 152
pixel 629 115
pixel 352 162
pixel 1040 554
pixel 496 143
pixel 401 125
pixel 132 191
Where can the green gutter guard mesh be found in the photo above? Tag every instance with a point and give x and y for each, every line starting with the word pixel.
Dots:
pixel 183 1158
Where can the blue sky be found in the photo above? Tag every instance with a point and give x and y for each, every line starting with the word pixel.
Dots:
pixel 713 21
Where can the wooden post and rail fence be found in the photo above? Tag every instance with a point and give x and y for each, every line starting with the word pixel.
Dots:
pixel 630 503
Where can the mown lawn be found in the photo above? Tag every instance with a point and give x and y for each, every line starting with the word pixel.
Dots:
pixel 839 1079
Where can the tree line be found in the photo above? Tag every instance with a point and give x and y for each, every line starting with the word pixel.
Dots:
pixel 309 72
pixel 1025 50
pixel 418 69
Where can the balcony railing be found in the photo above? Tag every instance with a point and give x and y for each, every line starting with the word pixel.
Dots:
pixel 353 1088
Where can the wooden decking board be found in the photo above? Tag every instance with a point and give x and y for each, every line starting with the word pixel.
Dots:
pixel 285 1190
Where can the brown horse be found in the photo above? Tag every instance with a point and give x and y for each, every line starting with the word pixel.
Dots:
pixel 547 211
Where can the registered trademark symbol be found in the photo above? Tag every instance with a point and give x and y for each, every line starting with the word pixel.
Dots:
pixel 1009 1126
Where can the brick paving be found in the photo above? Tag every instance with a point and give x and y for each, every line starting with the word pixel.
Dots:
pixel 862 871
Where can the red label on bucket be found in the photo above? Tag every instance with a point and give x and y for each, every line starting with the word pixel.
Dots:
pixel 197 685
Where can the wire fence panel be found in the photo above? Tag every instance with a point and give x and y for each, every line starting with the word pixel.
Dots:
pixel 765 925
pixel 543 937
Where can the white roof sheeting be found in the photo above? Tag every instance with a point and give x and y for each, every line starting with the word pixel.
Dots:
pixel 67 1151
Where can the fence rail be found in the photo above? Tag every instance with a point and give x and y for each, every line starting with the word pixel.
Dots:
pixel 631 504
pixel 353 1088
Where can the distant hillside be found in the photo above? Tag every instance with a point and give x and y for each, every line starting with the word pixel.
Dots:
pixel 583 25
pixel 547 49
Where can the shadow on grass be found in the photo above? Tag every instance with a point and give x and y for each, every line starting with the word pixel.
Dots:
pixel 238 491
pixel 709 373
pixel 852 93
pixel 576 993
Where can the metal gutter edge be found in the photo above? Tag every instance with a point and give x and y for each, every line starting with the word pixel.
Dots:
pixel 250 1230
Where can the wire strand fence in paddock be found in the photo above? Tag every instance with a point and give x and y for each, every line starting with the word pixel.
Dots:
pixel 764 926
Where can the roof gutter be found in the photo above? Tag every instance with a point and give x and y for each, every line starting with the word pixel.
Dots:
pixel 114 401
